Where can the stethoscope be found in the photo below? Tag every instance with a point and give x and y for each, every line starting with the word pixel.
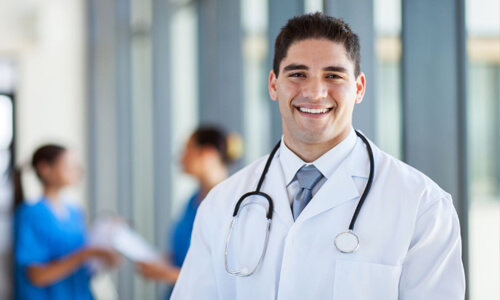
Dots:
pixel 345 242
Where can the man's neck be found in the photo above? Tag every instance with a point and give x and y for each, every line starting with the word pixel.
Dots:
pixel 310 152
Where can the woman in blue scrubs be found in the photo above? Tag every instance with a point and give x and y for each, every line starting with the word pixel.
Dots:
pixel 207 155
pixel 49 235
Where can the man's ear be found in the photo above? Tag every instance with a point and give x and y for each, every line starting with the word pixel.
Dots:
pixel 360 87
pixel 272 86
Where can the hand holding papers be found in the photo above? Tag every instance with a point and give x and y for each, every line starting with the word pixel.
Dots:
pixel 133 246
pixel 111 232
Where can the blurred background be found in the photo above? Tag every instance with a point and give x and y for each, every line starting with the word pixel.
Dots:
pixel 125 82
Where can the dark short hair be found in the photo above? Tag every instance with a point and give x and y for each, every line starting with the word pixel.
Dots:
pixel 46 153
pixel 317 26
pixel 220 140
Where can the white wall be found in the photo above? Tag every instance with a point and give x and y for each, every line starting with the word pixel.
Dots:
pixel 44 41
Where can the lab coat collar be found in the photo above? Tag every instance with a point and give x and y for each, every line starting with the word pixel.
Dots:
pixel 326 164
pixel 360 163
pixel 340 187
pixel 329 162
pixel 290 162
pixel 274 185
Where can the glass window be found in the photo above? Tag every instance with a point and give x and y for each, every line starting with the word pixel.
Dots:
pixel 184 93
pixel 256 102
pixel 142 128
pixel 311 6
pixel 6 136
pixel 483 138
pixel 388 52
pixel 6 122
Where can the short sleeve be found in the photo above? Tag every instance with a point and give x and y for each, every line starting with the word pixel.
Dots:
pixel 30 247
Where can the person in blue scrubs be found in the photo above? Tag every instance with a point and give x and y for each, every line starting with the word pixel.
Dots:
pixel 50 234
pixel 207 155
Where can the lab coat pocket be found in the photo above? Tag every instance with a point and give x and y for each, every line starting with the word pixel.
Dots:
pixel 364 280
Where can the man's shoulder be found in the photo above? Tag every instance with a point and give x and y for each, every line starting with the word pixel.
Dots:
pixel 391 164
pixel 406 178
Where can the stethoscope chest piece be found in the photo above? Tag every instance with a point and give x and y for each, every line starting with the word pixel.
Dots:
pixel 347 242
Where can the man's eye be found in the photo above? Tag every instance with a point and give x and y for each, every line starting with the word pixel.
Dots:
pixel 296 75
pixel 333 76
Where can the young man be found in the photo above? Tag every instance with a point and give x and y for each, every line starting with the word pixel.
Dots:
pixel 408 231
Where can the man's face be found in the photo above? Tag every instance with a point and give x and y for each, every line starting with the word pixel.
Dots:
pixel 316 91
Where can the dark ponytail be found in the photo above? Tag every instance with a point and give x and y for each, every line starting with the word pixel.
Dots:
pixel 47 153
pixel 18 187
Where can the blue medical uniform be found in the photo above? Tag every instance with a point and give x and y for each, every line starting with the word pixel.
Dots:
pixel 41 237
pixel 181 237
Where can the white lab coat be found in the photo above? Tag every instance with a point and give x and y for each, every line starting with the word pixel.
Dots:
pixel 410 246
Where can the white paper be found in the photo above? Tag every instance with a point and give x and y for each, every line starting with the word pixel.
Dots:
pixel 112 232
pixel 133 246
pixel 102 287
pixel 101 235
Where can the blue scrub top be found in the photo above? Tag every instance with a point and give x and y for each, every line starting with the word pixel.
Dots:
pixel 41 237
pixel 181 237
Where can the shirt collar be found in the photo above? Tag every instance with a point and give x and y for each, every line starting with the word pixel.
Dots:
pixel 326 164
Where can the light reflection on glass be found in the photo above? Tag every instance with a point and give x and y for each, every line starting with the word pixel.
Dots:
pixel 388 52
pixel 483 137
pixel 6 125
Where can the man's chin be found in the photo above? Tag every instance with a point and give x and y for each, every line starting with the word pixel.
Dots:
pixel 313 137
pixel 309 136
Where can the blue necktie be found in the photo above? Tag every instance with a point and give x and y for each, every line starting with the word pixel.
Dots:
pixel 308 177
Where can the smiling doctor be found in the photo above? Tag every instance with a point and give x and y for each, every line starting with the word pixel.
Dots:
pixel 329 215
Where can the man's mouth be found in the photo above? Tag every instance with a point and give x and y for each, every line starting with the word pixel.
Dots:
pixel 313 110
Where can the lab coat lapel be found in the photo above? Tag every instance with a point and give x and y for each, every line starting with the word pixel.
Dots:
pixel 274 185
pixel 339 188
pixel 336 190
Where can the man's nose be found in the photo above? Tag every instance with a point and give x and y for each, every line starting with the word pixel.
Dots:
pixel 314 89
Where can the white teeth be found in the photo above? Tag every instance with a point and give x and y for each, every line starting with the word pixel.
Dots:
pixel 313 111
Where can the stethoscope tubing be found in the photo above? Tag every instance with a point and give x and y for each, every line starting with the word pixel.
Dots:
pixel 257 192
pixel 269 215
pixel 266 168
pixel 368 184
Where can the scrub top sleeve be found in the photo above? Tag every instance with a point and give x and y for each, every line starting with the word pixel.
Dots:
pixel 196 279
pixel 30 248
pixel 433 267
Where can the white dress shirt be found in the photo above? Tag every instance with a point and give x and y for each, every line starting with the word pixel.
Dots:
pixel 326 164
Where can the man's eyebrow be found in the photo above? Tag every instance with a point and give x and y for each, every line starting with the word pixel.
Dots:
pixel 336 69
pixel 295 67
